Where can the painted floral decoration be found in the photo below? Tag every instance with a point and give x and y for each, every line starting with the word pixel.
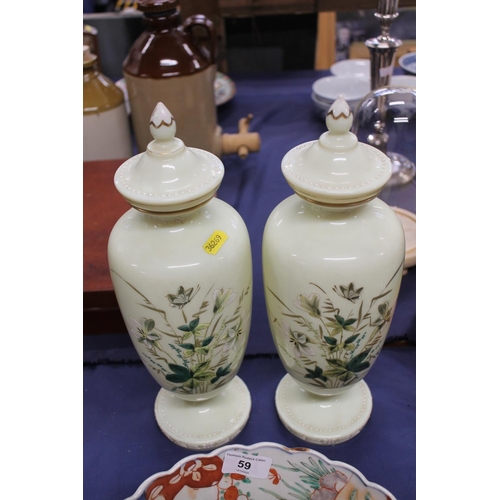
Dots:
pixel 195 343
pixel 330 340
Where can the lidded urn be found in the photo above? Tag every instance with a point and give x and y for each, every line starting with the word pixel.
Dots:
pixel 333 256
pixel 180 263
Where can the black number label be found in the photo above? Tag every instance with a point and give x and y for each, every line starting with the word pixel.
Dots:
pixel 213 243
pixel 244 465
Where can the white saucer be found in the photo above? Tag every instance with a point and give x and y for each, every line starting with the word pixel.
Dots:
pixel 206 424
pixel 352 67
pixel 326 420
pixel 351 88
pixel 404 81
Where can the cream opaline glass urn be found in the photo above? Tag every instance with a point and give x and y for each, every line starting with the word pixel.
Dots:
pixel 181 267
pixel 333 256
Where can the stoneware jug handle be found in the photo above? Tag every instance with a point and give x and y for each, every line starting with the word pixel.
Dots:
pixel 204 22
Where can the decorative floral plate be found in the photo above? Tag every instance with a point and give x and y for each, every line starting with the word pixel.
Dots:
pixel 224 88
pixel 258 472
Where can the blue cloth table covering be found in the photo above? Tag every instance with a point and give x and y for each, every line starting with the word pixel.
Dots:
pixel 123 444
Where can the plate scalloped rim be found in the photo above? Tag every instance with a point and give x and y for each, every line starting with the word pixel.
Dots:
pixel 255 447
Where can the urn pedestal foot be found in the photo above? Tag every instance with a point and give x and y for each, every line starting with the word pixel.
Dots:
pixel 326 420
pixel 204 425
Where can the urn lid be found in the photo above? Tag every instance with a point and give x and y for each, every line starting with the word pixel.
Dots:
pixel 336 169
pixel 168 176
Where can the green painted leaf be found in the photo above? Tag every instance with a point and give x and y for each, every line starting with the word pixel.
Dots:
pixel 336 327
pixel 201 368
pixel 334 372
pixel 192 383
pixel 176 379
pixel 340 319
pixel 204 376
pixel 181 374
pixel 331 341
pixel 200 328
pixel 352 338
pixel 149 324
pixel 207 341
pixel 181 370
pixel 333 320
pixel 317 373
pixel 187 346
pixel 193 324
pixel 337 363
pixel 348 322
pixel 222 372
pixel 360 367
pixel 184 328
pixel 358 363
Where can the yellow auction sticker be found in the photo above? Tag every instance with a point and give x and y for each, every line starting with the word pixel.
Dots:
pixel 215 242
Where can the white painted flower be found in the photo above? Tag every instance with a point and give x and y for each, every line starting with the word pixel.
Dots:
pixel 193 470
pixel 309 304
pixel 297 340
pixel 334 481
pixel 142 331
pixel 234 332
pixel 330 487
pixel 225 482
pixel 222 298
pixel 155 494
pixel 231 338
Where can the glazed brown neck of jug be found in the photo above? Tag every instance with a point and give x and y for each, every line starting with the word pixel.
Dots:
pixel 99 92
pixel 168 48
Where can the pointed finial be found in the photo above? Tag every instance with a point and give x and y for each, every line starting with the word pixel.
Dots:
pixel 162 124
pixel 339 118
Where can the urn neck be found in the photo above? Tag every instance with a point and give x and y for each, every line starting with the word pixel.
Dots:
pixel 334 208
pixel 176 215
